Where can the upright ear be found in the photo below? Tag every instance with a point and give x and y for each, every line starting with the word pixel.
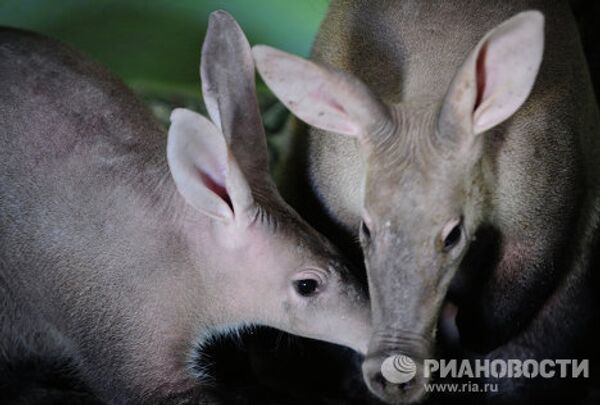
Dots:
pixel 323 97
pixel 498 75
pixel 228 85
pixel 206 174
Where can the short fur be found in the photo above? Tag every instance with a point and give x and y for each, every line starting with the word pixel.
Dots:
pixel 113 271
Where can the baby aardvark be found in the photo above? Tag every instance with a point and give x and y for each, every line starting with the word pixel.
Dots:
pixel 116 266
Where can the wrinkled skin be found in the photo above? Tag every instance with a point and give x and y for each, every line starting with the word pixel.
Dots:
pixel 425 151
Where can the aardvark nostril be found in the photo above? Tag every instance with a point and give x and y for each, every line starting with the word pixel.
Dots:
pixel 396 379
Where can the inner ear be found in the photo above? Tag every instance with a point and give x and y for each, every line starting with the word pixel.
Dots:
pixel 481 76
pixel 498 75
pixel 215 186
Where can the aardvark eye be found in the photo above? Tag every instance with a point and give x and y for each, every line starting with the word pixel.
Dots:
pixel 365 231
pixel 306 287
pixel 452 232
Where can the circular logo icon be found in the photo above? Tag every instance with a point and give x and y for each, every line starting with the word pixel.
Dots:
pixel 398 369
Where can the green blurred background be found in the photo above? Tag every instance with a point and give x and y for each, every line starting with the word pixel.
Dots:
pixel 155 44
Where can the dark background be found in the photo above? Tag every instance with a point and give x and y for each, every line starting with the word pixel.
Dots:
pixel 154 46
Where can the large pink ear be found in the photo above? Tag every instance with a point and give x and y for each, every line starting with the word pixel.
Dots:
pixel 205 172
pixel 498 75
pixel 323 97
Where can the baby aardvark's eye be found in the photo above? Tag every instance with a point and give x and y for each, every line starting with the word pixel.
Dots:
pixel 306 287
